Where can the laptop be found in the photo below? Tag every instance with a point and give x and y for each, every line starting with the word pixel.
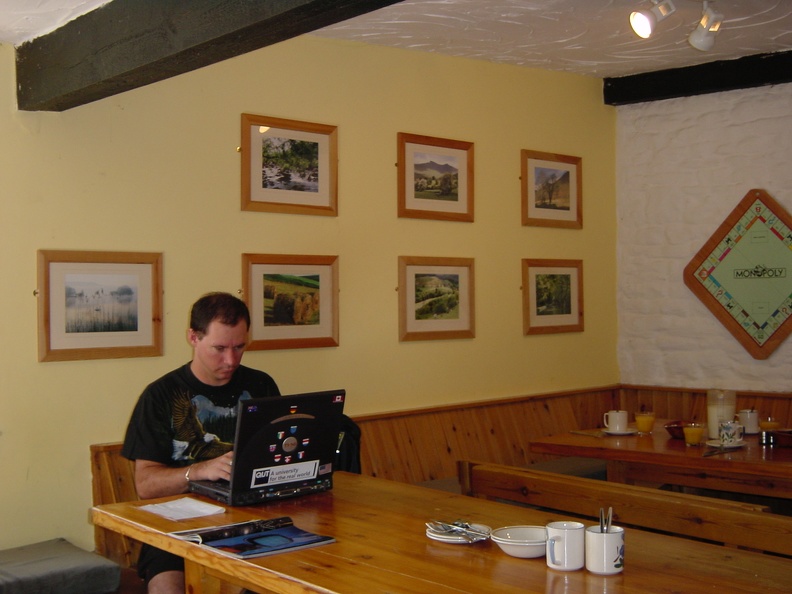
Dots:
pixel 284 446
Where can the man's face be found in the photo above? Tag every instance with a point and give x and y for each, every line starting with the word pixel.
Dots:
pixel 218 353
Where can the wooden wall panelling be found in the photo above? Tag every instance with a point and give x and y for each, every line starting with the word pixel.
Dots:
pixel 687 404
pixel 424 444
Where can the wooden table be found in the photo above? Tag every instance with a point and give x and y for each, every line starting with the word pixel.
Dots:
pixel 656 458
pixel 382 547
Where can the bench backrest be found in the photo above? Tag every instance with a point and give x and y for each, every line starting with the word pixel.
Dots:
pixel 729 522
pixel 113 481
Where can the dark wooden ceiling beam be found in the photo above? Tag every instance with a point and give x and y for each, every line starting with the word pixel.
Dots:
pixel 127 44
pixel 725 75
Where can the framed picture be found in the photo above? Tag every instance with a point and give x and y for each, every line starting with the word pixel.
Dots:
pixel 289 166
pixel 552 190
pixel 293 300
pixel 99 305
pixel 741 273
pixel 436 298
pixel 435 178
pixel 552 296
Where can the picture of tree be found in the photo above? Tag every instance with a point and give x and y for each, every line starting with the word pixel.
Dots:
pixel 289 164
pixel 436 296
pixel 552 188
pixel 553 294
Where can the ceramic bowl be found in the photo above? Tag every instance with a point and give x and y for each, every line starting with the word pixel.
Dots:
pixel 674 429
pixel 521 541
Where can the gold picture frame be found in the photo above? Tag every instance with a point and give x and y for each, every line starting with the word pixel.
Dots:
pixel 552 189
pixel 289 166
pixel 435 178
pixel 552 296
pixel 436 298
pixel 99 305
pixel 293 300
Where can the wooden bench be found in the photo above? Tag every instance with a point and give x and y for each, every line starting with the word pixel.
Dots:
pixel 422 446
pixel 113 481
pixel 731 523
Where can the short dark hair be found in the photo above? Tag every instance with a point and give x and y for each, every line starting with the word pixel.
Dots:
pixel 223 307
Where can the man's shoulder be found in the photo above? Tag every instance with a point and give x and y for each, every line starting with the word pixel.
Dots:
pixel 178 376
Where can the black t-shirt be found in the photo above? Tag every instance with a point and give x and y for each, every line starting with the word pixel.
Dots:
pixel 179 420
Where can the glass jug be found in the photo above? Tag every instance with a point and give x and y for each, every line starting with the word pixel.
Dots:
pixel 721 406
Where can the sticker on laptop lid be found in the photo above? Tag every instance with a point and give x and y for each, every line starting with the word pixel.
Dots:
pixel 277 475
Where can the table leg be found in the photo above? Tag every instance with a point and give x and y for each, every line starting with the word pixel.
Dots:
pixel 198 581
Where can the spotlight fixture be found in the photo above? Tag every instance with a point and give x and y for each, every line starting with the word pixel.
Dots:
pixel 703 36
pixel 643 22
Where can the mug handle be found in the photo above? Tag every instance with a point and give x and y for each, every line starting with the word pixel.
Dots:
pixel 551 542
pixel 605 419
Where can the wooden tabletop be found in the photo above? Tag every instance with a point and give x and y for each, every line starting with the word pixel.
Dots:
pixel 382 547
pixel 752 468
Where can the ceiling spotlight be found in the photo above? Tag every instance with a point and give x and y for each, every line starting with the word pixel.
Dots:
pixel 643 22
pixel 703 36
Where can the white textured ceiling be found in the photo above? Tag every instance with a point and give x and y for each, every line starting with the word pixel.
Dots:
pixel 591 37
pixel 23 20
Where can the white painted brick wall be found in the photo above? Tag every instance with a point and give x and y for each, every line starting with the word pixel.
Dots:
pixel 682 166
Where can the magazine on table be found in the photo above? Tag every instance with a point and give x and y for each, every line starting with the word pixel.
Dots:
pixel 255 538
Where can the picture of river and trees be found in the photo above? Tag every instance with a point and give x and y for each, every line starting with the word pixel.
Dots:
pixel 291 300
pixel 436 296
pixel 101 303
pixel 552 188
pixel 553 294
pixel 289 164
pixel 436 177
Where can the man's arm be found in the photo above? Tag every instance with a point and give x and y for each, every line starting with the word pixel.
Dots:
pixel 153 479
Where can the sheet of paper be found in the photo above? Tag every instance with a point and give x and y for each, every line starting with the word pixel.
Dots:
pixel 184 508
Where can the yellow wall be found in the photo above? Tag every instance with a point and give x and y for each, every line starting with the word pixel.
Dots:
pixel 156 169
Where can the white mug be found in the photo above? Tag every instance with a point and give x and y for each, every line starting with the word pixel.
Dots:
pixel 750 420
pixel 615 420
pixel 605 550
pixel 565 545
pixel 730 432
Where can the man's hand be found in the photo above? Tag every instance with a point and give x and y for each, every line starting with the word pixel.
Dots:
pixel 153 479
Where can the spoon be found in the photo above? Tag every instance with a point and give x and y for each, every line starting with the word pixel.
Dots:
pixel 442 528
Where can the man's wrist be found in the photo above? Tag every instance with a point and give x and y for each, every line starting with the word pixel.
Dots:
pixel 187 474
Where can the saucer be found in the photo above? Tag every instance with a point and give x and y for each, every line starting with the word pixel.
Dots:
pixel 625 432
pixel 715 443
pixel 456 538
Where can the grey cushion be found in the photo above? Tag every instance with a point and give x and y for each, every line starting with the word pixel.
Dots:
pixel 56 567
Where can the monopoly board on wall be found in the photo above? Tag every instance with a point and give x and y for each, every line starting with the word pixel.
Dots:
pixel 743 274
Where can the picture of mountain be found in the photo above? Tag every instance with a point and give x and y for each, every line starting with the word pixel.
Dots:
pixel 435 177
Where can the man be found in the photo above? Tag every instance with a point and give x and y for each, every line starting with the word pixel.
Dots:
pixel 182 427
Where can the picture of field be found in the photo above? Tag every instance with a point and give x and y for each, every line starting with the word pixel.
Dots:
pixel 436 296
pixel 101 303
pixel 436 177
pixel 553 294
pixel 289 164
pixel 291 300
pixel 552 188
